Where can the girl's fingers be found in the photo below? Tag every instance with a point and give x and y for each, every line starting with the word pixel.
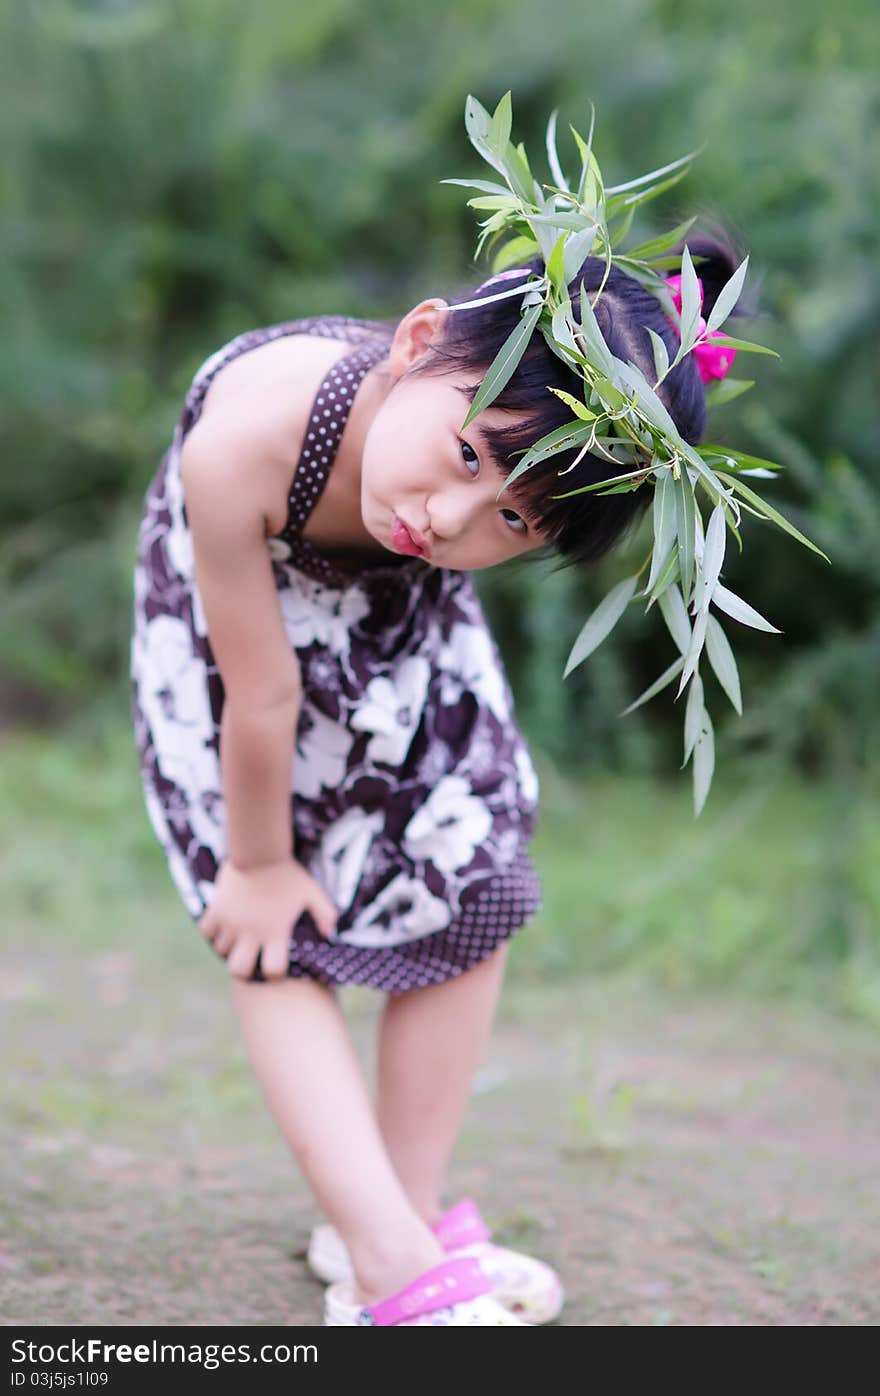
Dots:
pixel 325 914
pixel 224 940
pixel 275 959
pixel 242 959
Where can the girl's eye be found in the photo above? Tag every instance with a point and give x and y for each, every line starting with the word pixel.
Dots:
pixel 474 461
pixel 517 524
pixel 516 520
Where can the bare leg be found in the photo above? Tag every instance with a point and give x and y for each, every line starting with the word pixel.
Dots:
pixel 300 1048
pixel 431 1042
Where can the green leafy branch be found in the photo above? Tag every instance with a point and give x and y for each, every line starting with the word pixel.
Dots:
pixel 621 418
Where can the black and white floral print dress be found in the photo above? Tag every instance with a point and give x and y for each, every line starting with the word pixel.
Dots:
pixel 413 794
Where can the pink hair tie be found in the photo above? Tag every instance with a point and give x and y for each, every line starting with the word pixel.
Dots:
pixel 479 299
pixel 506 275
pixel 713 360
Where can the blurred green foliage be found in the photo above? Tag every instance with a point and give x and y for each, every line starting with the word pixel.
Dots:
pixel 177 171
pixel 774 891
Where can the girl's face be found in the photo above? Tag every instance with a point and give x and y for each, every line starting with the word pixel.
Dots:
pixel 418 465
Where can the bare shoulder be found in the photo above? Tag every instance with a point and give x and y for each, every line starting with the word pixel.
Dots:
pixel 255 413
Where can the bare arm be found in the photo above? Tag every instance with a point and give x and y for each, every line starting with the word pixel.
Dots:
pixel 224 478
pixel 256 755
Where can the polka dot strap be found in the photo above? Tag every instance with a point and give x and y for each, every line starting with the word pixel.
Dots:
pixel 324 430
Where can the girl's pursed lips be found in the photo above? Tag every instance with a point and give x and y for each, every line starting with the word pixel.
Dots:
pixel 418 541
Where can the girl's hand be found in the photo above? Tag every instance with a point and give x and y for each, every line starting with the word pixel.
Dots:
pixel 254 910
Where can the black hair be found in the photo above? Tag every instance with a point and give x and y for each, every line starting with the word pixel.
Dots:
pixel 582 529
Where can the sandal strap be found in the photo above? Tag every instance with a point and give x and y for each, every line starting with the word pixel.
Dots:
pixel 462 1225
pixel 446 1284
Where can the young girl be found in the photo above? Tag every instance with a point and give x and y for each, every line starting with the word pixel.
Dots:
pixel 328 746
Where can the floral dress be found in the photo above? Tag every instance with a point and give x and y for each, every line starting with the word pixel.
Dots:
pixel 413 795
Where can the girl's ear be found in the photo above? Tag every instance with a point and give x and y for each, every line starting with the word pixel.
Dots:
pixel 420 327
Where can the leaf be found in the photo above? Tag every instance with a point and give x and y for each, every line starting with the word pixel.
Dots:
pixel 699 541
pixel 577 249
pixel 676 617
pixel 647 250
pixel 552 154
pixel 478 125
pixel 588 161
pixel 494 201
pixel 609 393
pixel 706 474
pixel 561 326
pixel 619 489
pixel 561 438
pixel 685 509
pixel 492 225
pixel 578 408
pixel 704 763
pixel 727 298
pixel 503 365
pixel 598 484
pixel 693 717
pixel 644 197
pixel 544 230
pixel 695 649
pixel 649 403
pixel 722 661
pixel 713 557
pixel 664 523
pixel 560 221
pixel 485 185
pixel 621 231
pixel 654 174
pixel 771 513
pixel 690 304
pixel 646 272
pixel 520 175
pixel 601 622
pixel 502 119
pixel 518 249
pixel 656 687
pixel 661 355
pixel 556 266
pixel 728 343
pixel 736 458
pixel 740 610
pixel 476 119
pixel 667 576
pixel 589 328
pixel 726 389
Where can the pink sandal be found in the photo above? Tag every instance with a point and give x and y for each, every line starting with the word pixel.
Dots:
pixel 518 1282
pixel 454 1294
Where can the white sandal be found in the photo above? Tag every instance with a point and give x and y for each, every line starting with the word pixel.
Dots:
pixel 520 1283
pixel 453 1294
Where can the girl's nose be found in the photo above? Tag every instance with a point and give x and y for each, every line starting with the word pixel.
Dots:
pixel 451 511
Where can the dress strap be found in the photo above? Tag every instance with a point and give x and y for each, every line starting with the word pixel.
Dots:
pixel 329 414
pixel 348 327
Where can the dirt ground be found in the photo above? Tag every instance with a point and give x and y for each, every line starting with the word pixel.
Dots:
pixel 680 1160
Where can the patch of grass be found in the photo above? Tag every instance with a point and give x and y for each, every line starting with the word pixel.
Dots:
pixel 519 1229
pixel 775 890
pixel 768 892
pixel 774 1272
pixel 600 1125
